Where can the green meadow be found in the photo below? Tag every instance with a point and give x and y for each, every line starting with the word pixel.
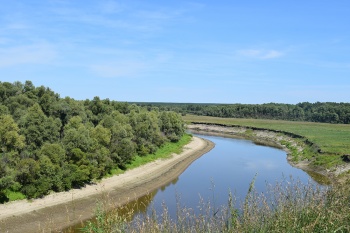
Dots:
pixel 332 139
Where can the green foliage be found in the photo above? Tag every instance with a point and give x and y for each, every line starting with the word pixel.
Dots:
pixel 164 152
pixel 172 125
pixel 52 144
pixel 10 139
pixel 14 195
pixel 55 152
pixel 315 112
pixel 38 128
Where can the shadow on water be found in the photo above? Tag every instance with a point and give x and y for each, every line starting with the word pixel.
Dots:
pixel 131 210
pixel 319 178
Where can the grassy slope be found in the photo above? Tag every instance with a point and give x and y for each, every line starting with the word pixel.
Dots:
pixel 164 152
pixel 331 138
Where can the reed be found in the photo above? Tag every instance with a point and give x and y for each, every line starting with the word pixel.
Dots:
pixel 288 206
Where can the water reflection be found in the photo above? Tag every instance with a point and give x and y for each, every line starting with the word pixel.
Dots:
pixel 142 205
pixel 230 166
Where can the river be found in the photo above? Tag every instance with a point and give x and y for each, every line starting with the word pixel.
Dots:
pixel 229 167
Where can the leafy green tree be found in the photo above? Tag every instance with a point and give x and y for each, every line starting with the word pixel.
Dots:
pixel 7 176
pixel 100 162
pixel 99 156
pixel 101 136
pixel 122 147
pixel 37 128
pixel 4 110
pixel 68 108
pixel 33 128
pixel 18 105
pixel 55 152
pixel 77 135
pixel 8 89
pixel 27 173
pixel 172 125
pixel 146 131
pixel 10 139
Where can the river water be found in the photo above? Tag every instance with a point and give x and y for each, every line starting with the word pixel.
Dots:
pixel 229 167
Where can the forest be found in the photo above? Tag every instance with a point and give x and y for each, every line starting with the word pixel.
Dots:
pixel 49 143
pixel 327 112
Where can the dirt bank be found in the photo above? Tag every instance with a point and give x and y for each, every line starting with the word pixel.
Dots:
pixel 60 210
pixel 274 139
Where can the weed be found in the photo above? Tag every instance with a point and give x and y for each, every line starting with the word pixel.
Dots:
pixel 288 206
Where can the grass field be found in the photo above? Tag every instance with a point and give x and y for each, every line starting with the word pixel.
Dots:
pixel 331 138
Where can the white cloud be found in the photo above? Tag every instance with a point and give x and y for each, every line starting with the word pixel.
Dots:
pixel 261 54
pixel 31 54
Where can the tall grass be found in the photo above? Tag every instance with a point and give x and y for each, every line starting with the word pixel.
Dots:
pixel 288 206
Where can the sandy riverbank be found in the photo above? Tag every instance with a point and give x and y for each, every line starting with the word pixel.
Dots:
pixel 60 210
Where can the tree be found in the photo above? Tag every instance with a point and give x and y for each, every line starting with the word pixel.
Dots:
pixel 54 152
pixel 146 131
pixel 38 128
pixel 122 147
pixel 10 139
pixel 77 135
pixel 172 125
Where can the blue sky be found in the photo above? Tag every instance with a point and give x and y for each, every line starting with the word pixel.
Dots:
pixel 180 51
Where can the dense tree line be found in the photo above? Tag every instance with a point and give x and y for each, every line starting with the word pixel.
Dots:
pixel 48 143
pixel 327 112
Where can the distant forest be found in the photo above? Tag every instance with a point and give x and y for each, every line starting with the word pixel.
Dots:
pixel 327 112
pixel 48 143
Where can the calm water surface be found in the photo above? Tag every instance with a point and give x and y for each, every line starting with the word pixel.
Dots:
pixel 229 167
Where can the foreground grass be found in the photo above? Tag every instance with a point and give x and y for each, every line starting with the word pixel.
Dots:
pixel 286 207
pixel 332 139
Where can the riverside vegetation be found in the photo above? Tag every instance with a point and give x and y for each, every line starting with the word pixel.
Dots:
pixel 324 145
pixel 286 207
pixel 52 144
pixel 327 112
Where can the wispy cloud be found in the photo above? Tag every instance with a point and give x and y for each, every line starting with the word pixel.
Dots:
pixel 261 54
pixel 119 69
pixel 4 40
pixel 112 14
pixel 17 26
pixel 31 54
pixel 110 7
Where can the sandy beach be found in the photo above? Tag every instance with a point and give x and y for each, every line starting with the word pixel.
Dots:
pixel 61 210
